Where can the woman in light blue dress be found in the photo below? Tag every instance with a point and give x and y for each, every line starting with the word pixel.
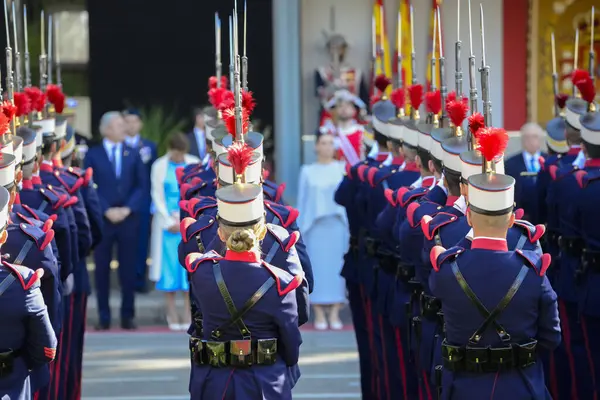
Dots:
pixel 169 275
pixel 324 227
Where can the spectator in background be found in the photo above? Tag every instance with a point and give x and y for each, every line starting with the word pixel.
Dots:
pixel 324 227
pixel 197 137
pixel 122 181
pixel 165 269
pixel 148 152
pixel 524 167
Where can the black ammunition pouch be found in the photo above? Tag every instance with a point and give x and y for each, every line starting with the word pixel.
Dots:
pixel 387 263
pixel 590 261
pixel 7 359
pixel 371 246
pixel 430 307
pixel 354 245
pixel 233 353
pixel 477 359
pixel 571 246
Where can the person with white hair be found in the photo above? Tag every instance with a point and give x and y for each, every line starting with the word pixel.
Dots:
pixel 524 167
pixel 121 178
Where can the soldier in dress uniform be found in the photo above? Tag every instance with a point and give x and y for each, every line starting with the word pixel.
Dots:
pixel 561 198
pixel 587 226
pixel 237 345
pixel 148 154
pixel 493 331
pixel 28 341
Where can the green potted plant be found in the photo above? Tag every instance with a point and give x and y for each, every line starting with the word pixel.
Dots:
pixel 159 123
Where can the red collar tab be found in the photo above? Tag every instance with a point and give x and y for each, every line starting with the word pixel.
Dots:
pixel 246 256
pixel 36 180
pixel 398 161
pixel 57 163
pixel 428 181
pixel 381 157
pixel 593 163
pixel 46 167
pixel 450 200
pixel 573 151
pixel 17 198
pixel 27 184
pixel 489 244
pixel 411 166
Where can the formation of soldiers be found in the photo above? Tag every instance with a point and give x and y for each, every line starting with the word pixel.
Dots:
pixel 51 219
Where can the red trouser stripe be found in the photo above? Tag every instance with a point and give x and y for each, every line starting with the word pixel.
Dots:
pixel 386 374
pixel 400 350
pixel 588 352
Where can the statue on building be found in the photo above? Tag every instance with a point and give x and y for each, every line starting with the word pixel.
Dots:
pixel 338 75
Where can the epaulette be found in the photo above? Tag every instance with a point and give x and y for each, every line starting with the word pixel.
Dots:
pixel 557 173
pixel 68 181
pixel 361 172
pixel 287 215
pixel 86 174
pixel 405 195
pixel 179 172
pixel 430 225
pixel 519 213
pixel 584 178
pixel 278 190
pixel 66 200
pixel 190 227
pixel 348 171
pixel 416 211
pixel 40 237
pixel 44 226
pixel 285 239
pixel 391 196
pixel 539 263
pixel 377 175
pixel 440 255
pixel 534 233
pixel 26 276
pixel 193 260
pixel 285 281
pixel 54 199
pixel 187 190
pixel 196 205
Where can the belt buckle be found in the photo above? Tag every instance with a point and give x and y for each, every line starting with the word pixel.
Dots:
pixel 240 353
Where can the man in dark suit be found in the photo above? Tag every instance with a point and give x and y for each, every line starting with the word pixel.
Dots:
pixel 122 181
pixel 148 153
pixel 197 136
pixel 524 167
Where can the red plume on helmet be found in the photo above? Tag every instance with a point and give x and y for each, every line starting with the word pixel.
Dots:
pixel 561 100
pixel 415 92
pixel 224 82
pixel 382 82
pixel 56 97
pixel 433 102
pixel 375 99
pixel 9 109
pixel 476 122
pixel 450 97
pixel 248 101
pixel 23 104
pixel 212 82
pixel 398 98
pixel 457 112
pixel 239 155
pixel 36 97
pixel 585 85
pixel 229 120
pixel 216 96
pixel 492 142
pixel 4 124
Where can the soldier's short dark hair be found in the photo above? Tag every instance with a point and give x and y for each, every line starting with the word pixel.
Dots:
pixel 425 156
pixel 453 182
pixel 572 135
pixel 178 141
pixel 380 138
pixel 593 150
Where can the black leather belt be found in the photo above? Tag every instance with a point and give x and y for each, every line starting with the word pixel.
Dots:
pixel 7 359
pixel 571 246
pixel 430 307
pixel 233 353
pixel 488 359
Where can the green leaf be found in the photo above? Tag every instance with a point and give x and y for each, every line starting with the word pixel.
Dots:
pixel 158 124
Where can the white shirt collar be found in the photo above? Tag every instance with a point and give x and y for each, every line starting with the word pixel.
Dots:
pixel 132 140
pixel 580 160
pixel 418 183
pixel 528 156
pixel 461 204
pixel 489 238
pixel 47 162
pixel 470 234
pixel 388 160
pixel 109 144
pixel 374 150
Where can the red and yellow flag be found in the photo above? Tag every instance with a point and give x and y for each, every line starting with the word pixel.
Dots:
pixel 382 43
pixel 430 45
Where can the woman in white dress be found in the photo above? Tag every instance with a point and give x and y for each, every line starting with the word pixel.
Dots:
pixel 324 226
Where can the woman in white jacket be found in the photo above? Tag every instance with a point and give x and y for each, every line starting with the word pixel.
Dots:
pixel 169 275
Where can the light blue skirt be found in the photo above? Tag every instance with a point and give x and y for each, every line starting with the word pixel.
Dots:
pixel 173 277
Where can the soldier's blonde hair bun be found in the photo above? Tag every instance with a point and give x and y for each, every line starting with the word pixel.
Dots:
pixel 242 240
